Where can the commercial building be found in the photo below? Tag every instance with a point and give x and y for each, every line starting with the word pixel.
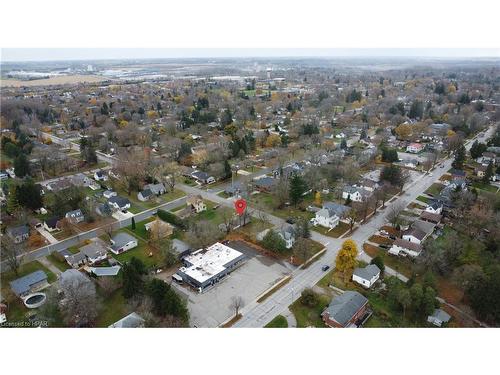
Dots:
pixel 206 267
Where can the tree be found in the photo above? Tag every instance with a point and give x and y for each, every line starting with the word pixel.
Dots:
pixel 458 162
pixel 477 149
pixel 203 233
pixel 302 249
pixel 488 173
pixel 404 299
pixel 79 299
pixel 274 242
pixel 28 195
pixel 343 144
pixel 165 301
pixel 13 253
pixel 428 302
pixel 309 298
pixel 346 258
pixel 133 224
pixel 394 214
pixel 351 216
pixel 21 166
pixel 132 273
pixel 379 262
pixel 168 253
pixel 236 304
pixel 297 189
pixel 389 155
pixel 416 110
pixel 303 228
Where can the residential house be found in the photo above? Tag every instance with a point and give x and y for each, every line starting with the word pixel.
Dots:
pixel 94 252
pixel 431 217
pixel 326 218
pixel 18 233
pixel 203 177
pixel 235 189
pixel 265 184
pixel 458 183
pixel 487 158
pixel 457 173
pixel 414 235
pixel 76 260
pixel 59 185
pixel 104 209
pixel 287 233
pixel 404 248
pixel 159 228
pixel 29 284
pixel 366 276
pixel 355 193
pixel 50 225
pixel 105 271
pixel 100 176
pixel 369 185
pixel 75 216
pixel 156 189
pixel 195 202
pixel 434 207
pixel 109 193
pixel 439 317
pixel 132 320
pixel 145 195
pixel 350 309
pixel 119 203
pixel 415 148
pixel 122 242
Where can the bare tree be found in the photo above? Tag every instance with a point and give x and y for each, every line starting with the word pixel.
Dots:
pixel 13 253
pixel 236 304
pixel 203 233
pixel 79 299
pixel 302 249
pixel 394 214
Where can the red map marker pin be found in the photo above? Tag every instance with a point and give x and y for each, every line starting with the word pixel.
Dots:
pixel 240 205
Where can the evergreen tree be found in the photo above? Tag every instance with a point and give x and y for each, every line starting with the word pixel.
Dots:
pixel 343 144
pixel 132 273
pixel 227 169
pixel 458 162
pixel 133 224
pixel 21 166
pixel 488 173
pixel 297 188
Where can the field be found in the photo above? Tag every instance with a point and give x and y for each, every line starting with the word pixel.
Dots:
pixel 336 232
pixel 62 80
pixel 278 322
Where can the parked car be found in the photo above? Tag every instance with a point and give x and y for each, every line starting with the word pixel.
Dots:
pixel 384 246
pixel 325 268
pixel 290 220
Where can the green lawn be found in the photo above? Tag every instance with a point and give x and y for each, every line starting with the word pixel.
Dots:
pixel 434 189
pixel 486 187
pixel 309 316
pixel 423 199
pixel 60 264
pixel 335 232
pixel 278 322
pixel 26 269
pixel 140 230
pixel 112 308
pixel 141 252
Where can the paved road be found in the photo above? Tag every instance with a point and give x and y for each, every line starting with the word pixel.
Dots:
pixel 78 238
pixel 259 314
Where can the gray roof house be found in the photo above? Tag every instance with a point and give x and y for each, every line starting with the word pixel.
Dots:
pixel 18 233
pixel 30 283
pixel 119 203
pixel 94 252
pixel 75 216
pixel 338 209
pixel 145 195
pixel 105 271
pixel 76 260
pixel 156 189
pixel 346 310
pixel 122 242
pixel 439 317
pixel 132 320
pixel 366 276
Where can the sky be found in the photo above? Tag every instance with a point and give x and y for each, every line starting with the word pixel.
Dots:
pixel 57 54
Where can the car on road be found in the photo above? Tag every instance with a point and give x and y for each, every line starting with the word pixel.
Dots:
pixel 291 220
pixel 384 246
pixel 442 166
pixel 325 268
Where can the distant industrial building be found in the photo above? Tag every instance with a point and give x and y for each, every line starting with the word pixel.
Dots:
pixel 206 267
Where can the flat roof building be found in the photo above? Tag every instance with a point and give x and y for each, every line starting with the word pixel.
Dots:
pixel 206 267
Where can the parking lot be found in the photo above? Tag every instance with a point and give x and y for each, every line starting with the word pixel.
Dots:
pixel 251 279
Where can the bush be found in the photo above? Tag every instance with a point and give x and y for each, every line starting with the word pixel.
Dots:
pixel 273 241
pixel 309 298
pixel 379 262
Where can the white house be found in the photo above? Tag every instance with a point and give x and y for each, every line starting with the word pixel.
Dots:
pixel 122 242
pixel 119 203
pixel 326 218
pixel 414 235
pixel 355 193
pixel 288 235
pixel 434 208
pixel 75 216
pixel 94 252
pixel 366 276
pixel 100 176
pixel 404 248
pixel 414 148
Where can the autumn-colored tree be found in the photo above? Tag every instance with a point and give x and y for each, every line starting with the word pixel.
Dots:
pixel 404 131
pixel 273 140
pixel 346 258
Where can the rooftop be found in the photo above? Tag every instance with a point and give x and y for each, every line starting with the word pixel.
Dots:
pixel 206 263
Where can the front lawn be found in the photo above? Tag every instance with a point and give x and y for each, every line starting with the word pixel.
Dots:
pixel 434 189
pixel 401 265
pixel 309 316
pixel 278 322
pixel 112 308
pixel 423 199
pixel 140 230
pixel 142 252
pixel 60 264
pixel 486 187
pixel 26 269
pixel 336 232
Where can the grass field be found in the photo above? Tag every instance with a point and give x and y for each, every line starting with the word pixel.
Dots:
pixel 486 187
pixel 423 199
pixel 278 322
pixel 309 316
pixel 60 264
pixel 434 189
pixel 336 232
pixel 142 252
pixel 112 308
